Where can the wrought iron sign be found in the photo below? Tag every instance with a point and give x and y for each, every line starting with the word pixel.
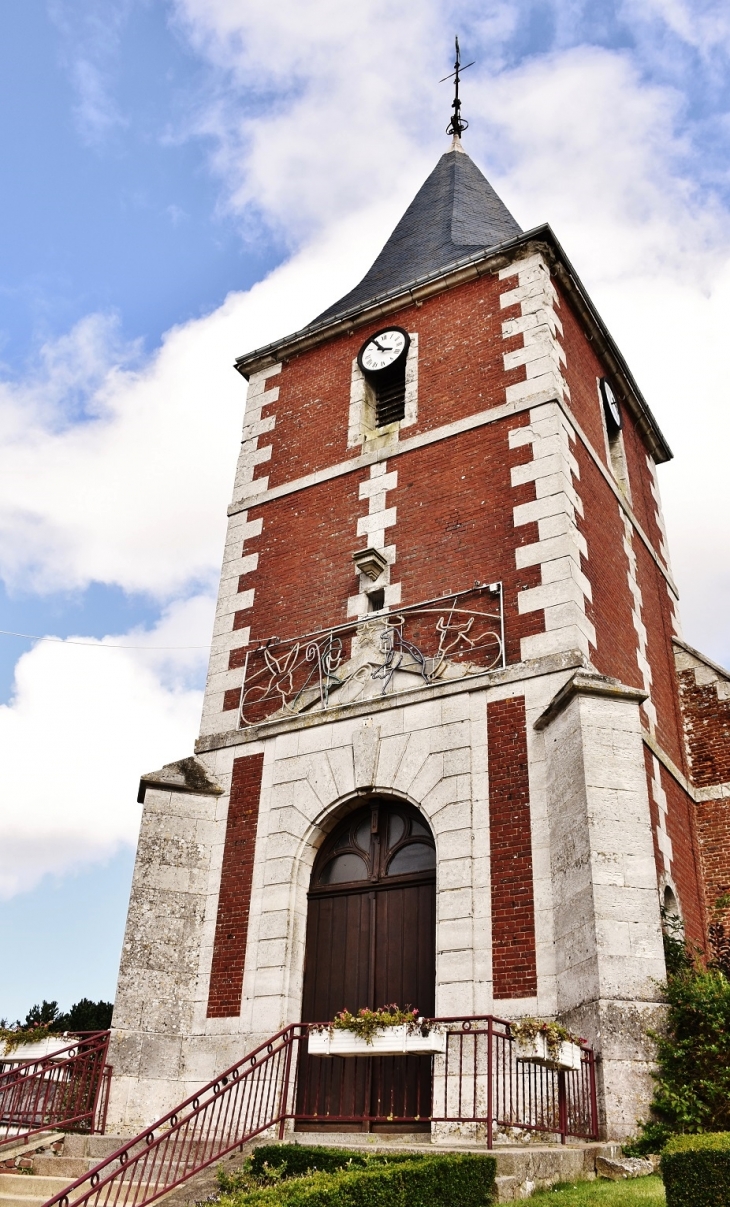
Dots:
pixel 383 653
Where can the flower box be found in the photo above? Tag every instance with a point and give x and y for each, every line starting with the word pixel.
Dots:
pixel 36 1051
pixel 567 1058
pixel 387 1041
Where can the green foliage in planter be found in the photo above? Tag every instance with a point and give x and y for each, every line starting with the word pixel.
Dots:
pixel 366 1022
pixel 527 1029
pixel 430 1181
pixel 46 1019
pixel 696 1170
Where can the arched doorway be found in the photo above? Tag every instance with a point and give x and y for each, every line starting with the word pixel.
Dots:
pixel 371 940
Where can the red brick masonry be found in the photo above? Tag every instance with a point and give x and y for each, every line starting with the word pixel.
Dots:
pixel 231 928
pixel 513 905
pixel 706 715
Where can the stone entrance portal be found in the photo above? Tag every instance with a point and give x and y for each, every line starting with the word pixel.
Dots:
pixel 371 941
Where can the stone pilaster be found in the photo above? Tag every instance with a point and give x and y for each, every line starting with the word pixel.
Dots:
pixel 609 956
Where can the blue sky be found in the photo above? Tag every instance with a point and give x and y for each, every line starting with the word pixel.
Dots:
pixel 185 179
pixel 115 210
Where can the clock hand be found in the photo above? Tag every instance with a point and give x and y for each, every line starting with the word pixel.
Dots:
pixel 380 346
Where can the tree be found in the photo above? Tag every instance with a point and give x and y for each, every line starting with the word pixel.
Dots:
pixel 84 1015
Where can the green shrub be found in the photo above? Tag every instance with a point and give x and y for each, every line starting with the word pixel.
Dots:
pixel 692 1091
pixel 696 1170
pixel 297 1159
pixel 693 1081
pixel 269 1164
pixel 465 1180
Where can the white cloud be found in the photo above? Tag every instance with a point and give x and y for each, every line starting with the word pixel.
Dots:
pixel 84 723
pixel 90 33
pixel 118 469
pixel 321 108
pixel 135 494
pixel 702 24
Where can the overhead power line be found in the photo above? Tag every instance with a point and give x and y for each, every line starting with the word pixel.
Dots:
pixel 98 645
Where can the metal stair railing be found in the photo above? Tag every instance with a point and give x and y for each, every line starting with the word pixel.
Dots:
pixel 249 1098
pixel 65 1089
pixel 480 1080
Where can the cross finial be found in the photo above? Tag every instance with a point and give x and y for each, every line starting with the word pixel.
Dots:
pixel 458 124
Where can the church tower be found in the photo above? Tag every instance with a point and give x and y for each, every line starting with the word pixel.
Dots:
pixel 441 754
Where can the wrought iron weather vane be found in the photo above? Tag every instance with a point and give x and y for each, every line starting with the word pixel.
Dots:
pixel 458 124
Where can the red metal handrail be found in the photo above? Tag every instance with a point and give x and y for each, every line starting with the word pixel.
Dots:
pixel 478 1081
pixel 60 1090
pixel 249 1098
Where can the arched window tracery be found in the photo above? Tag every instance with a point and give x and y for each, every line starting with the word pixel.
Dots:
pixel 382 841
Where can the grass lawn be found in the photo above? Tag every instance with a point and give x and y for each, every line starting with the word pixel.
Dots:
pixel 636 1192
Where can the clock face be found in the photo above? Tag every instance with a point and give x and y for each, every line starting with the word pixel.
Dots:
pixel 383 349
pixel 610 405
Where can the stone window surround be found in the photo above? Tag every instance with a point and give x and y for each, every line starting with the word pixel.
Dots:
pixel 362 428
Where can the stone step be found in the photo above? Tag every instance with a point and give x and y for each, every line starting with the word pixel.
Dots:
pixel 26 1190
pixel 28 1185
pixel 376 1140
pixel 62 1167
pixel 25 1200
pixel 94 1147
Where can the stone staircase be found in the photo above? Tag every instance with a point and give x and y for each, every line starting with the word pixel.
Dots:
pixel 47 1165
pixel 54 1161
pixel 521 1169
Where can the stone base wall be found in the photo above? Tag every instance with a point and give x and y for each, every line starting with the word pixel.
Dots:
pixel 596 944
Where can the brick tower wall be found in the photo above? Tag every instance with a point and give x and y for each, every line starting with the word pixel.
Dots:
pixel 582 556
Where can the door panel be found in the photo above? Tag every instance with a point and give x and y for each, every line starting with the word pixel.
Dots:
pixel 405 964
pixel 367 945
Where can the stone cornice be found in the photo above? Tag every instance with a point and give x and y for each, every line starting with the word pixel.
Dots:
pixel 583 683
pixel 187 775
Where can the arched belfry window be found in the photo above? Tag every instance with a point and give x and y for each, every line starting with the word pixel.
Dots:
pixel 382 842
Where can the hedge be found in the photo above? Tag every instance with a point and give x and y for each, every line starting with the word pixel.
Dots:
pixel 696 1170
pixel 465 1180
pixel 296 1159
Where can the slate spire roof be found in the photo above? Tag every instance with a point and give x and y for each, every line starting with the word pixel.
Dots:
pixel 455 214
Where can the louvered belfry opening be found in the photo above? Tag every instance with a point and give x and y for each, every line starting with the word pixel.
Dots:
pixel 390 399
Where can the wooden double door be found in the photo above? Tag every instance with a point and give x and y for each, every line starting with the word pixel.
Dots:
pixel 371 941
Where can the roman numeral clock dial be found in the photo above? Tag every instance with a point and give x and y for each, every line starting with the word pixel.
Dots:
pixel 384 351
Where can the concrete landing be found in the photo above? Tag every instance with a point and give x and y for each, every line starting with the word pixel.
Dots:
pixel 521 1169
